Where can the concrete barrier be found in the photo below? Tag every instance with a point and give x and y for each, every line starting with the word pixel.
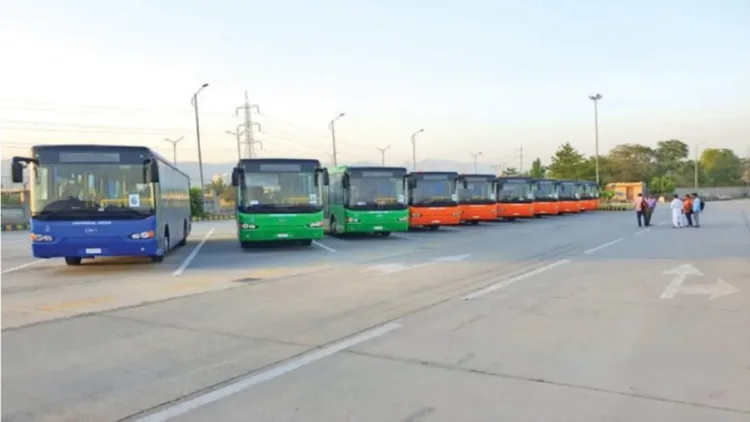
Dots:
pixel 14 217
pixel 717 193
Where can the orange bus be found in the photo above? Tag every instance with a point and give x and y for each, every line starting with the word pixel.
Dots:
pixel 515 197
pixel 568 197
pixel 433 199
pixel 476 198
pixel 546 197
pixel 589 196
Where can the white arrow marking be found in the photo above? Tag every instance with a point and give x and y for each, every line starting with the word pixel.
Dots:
pixel 680 274
pixel 713 291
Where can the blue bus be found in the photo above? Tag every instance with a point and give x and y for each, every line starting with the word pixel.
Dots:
pixel 89 201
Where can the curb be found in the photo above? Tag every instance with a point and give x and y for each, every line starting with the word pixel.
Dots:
pixel 15 227
pixel 613 207
pixel 215 217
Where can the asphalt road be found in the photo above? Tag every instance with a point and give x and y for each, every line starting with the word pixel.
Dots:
pixel 571 318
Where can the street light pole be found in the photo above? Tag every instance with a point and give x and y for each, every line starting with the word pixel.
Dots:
pixel 476 161
pixel 198 134
pixel 595 99
pixel 695 177
pixel 332 128
pixel 414 148
pixel 237 133
pixel 382 154
pixel 174 148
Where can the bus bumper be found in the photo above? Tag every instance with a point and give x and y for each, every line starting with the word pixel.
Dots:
pixel 546 208
pixel 424 217
pixel 280 233
pixel 515 210
pixel 479 212
pixel 93 247
pixel 569 207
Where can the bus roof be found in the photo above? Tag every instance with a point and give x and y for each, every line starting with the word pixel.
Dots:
pixel 369 168
pixel 516 178
pixel 486 176
pixel 280 160
pixel 434 172
pixel 103 148
pixel 548 180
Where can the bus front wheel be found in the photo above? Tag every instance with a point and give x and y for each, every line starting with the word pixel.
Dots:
pixel 72 260
pixel 306 242
pixel 433 227
pixel 385 234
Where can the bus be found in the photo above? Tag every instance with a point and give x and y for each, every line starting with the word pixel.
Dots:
pixel 433 199
pixel 279 200
pixel 569 197
pixel 515 197
pixel 367 200
pixel 90 201
pixel 476 198
pixel 546 193
pixel 589 196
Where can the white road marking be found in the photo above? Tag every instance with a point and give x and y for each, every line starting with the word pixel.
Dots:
pixel 320 245
pixel 28 264
pixel 267 375
pixel 510 281
pixel 664 223
pixel 193 254
pixel 600 247
pixel 640 232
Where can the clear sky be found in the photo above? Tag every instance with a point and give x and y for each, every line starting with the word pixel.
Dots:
pixel 476 75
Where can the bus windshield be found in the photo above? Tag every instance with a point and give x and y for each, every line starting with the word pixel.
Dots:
pixel 434 190
pixel 546 190
pixel 90 191
pixel 477 191
pixel 568 190
pixel 370 188
pixel 518 190
pixel 276 191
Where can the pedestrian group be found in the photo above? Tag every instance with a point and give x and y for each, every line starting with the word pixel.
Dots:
pixel 685 212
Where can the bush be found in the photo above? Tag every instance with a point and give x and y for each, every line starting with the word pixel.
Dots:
pixel 196 202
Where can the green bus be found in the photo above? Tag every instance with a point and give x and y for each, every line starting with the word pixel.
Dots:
pixel 279 199
pixel 366 200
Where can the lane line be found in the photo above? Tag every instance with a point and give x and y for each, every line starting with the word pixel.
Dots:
pixel 664 223
pixel 267 375
pixel 600 247
pixel 178 272
pixel 640 232
pixel 28 264
pixel 512 280
pixel 320 245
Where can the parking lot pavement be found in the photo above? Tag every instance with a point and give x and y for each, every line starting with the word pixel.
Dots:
pixel 650 327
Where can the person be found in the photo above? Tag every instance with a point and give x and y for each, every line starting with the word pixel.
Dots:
pixel 676 207
pixel 640 209
pixel 651 203
pixel 697 209
pixel 687 209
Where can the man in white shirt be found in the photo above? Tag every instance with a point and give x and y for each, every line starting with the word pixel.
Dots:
pixel 676 207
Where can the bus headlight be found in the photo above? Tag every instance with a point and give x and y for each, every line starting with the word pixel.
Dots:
pixel 352 220
pixel 42 238
pixel 403 219
pixel 248 226
pixel 416 214
pixel 143 235
pixel 315 224
pixel 456 214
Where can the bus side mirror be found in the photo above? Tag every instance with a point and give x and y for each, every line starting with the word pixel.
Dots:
pixel 411 182
pixel 464 182
pixel 154 165
pixel 345 181
pixel 16 171
pixel 236 176
pixel 326 178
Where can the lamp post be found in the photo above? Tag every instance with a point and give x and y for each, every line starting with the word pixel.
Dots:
pixel 476 160
pixel 382 154
pixel 198 134
pixel 595 98
pixel 695 167
pixel 174 148
pixel 414 148
pixel 332 128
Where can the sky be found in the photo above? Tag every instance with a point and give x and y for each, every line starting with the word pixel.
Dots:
pixel 478 76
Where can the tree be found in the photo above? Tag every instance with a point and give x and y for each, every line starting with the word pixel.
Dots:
pixel 722 167
pixel 510 171
pixel 632 163
pixel 537 171
pixel 661 185
pixel 566 163
pixel 670 156
pixel 196 202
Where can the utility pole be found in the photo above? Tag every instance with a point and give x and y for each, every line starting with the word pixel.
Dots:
pixel 237 133
pixel 382 154
pixel 520 167
pixel 476 161
pixel 249 125
pixel 332 128
pixel 595 99
pixel 695 167
pixel 174 148
pixel 414 148
pixel 198 136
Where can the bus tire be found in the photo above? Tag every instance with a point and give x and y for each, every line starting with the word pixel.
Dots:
pixel 474 222
pixel 332 224
pixel 433 227
pixel 73 260
pixel 385 234
pixel 306 242
pixel 183 242
pixel 167 245
pixel 511 218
